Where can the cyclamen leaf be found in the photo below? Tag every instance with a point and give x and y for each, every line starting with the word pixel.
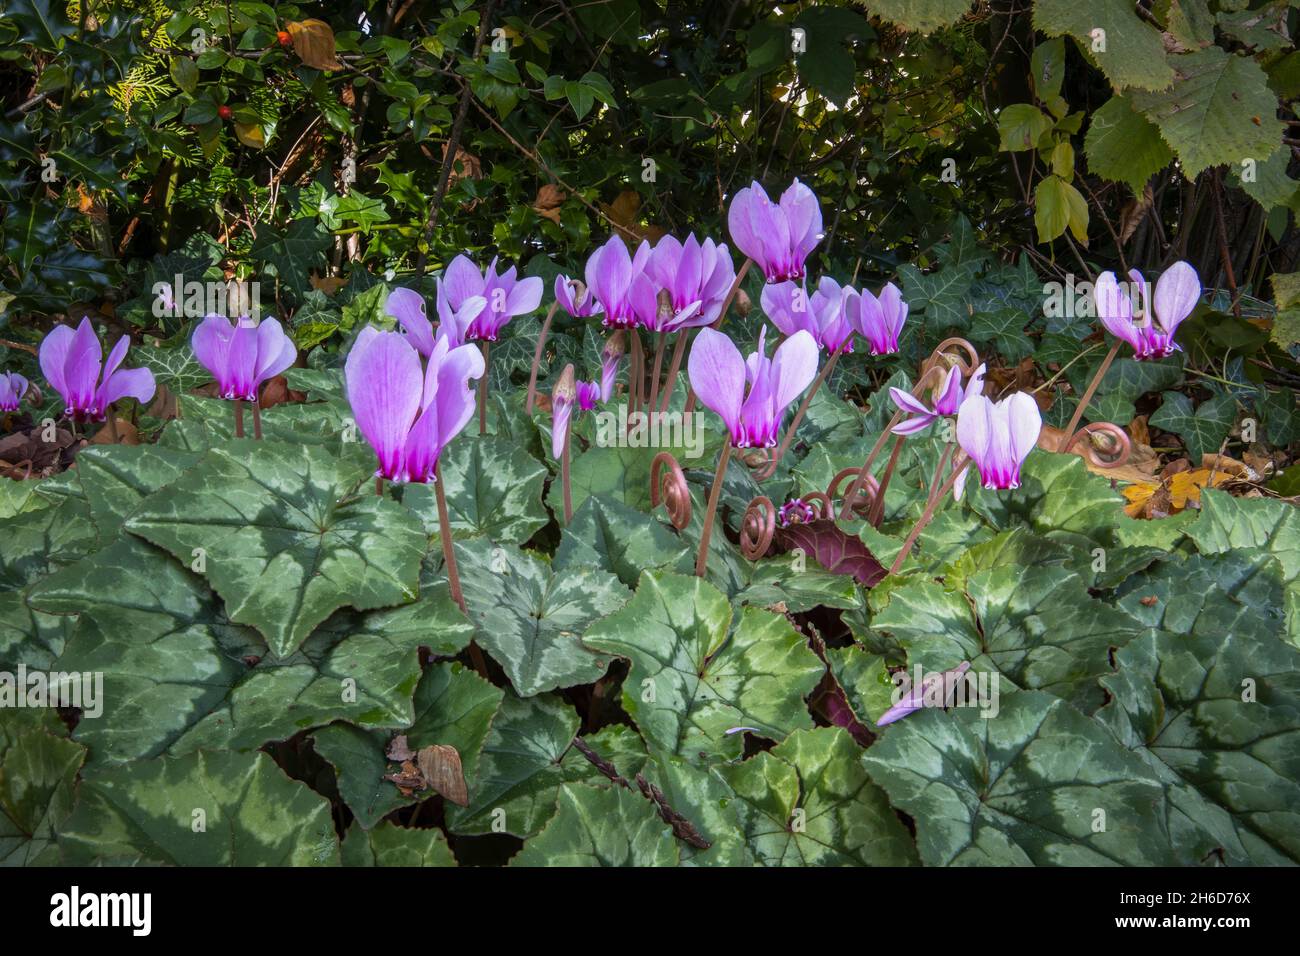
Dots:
pixel 601 827
pixel 38 769
pixel 808 802
pixel 391 845
pixel 288 535
pixel 696 673
pixel 528 754
pixel 1025 788
pixel 251 814
pixel 493 489
pixel 529 617
pixel 1210 699
pixel 607 534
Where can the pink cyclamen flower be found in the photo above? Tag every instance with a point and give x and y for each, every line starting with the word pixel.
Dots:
pixel 242 354
pixel 504 295
pixel 795 511
pixel 71 364
pixel 791 308
pixel 407 306
pixel 998 436
pixel 718 375
pixel 587 395
pixel 934 690
pixel 697 277
pixel 878 319
pixel 618 282
pixel 951 395
pixel 12 389
pixel 1151 336
pixel 777 236
pixel 575 298
pixel 408 415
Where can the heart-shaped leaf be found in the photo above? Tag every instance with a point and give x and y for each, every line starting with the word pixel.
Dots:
pixel 288 534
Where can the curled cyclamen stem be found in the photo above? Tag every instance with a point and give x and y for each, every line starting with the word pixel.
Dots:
pixel 679 352
pixel 757 528
pixel 537 356
pixel 933 374
pixel 444 532
pixel 761 462
pixel 239 418
pixel 799 414
pixel 483 392
pixel 710 512
pixel 1070 434
pixel 960 465
pixel 1114 456
pixel 671 488
pixel 863 496
pixel 941 357
pixel 726 306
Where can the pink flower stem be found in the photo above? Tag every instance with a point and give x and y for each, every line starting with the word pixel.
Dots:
pixel 444 532
pixel 239 418
pixel 661 340
pixel 679 351
pixel 257 419
pixel 938 473
pixel 483 393
pixel 877 512
pixel 379 486
pixel 715 492
pixel 726 306
pixel 636 374
pixel 926 515
pixel 112 424
pixel 537 356
pixel 1087 395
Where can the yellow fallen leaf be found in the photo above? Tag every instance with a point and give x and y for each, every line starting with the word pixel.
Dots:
pixel 1186 486
pixel 313 41
pixel 251 134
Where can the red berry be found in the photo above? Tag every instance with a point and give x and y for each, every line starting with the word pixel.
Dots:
pixel 224 112
pixel 284 38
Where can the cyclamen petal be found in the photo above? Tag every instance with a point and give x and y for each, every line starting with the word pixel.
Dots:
pixel 777 236
pixel 240 355
pixel 998 436
pixel 407 306
pixel 717 375
pixel 384 387
pixel 12 389
pixel 71 363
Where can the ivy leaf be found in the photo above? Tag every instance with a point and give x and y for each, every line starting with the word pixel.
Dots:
pixel 941 294
pixel 1124 146
pixel 808 802
pixel 288 534
pixel 1023 788
pixel 150 810
pixel 493 489
pixel 696 673
pixel 292 253
pixel 529 617
pixel 391 845
pixel 1218 111
pixel 1202 428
